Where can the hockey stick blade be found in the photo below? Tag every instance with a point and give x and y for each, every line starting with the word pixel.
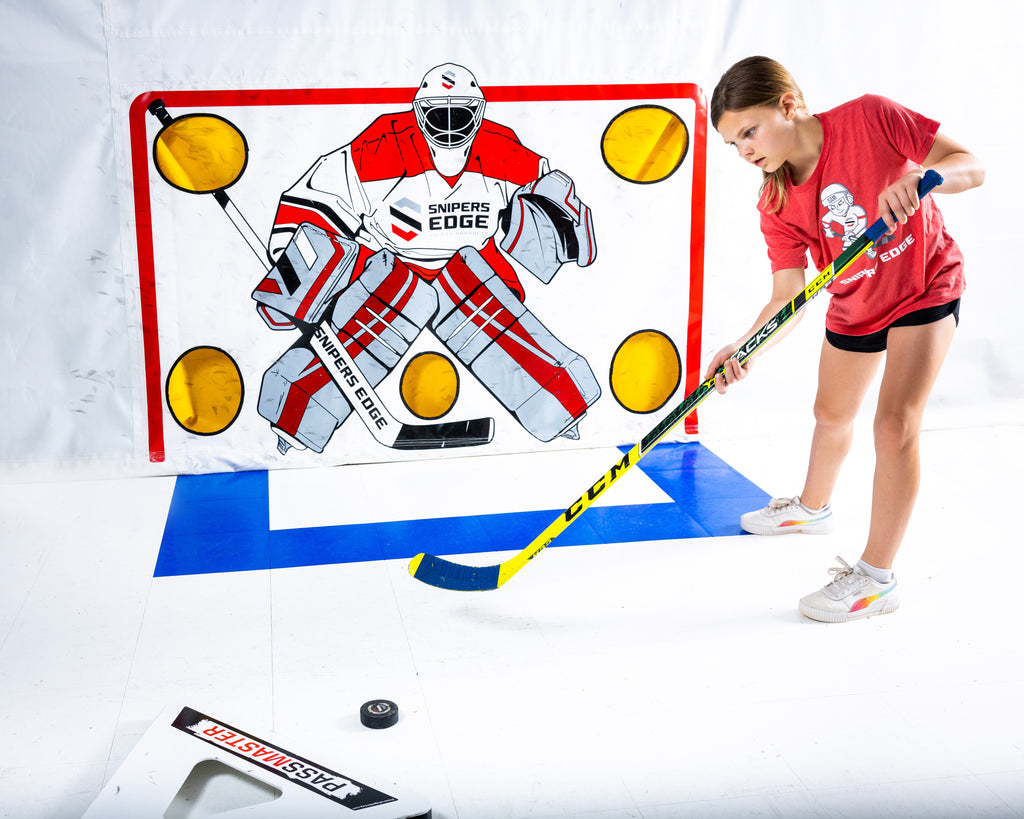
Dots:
pixel 436 571
pixel 445 574
pixel 474 432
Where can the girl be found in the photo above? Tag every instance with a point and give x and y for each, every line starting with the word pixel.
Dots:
pixel 826 178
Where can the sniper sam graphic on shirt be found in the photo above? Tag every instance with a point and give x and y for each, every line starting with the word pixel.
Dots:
pixel 845 218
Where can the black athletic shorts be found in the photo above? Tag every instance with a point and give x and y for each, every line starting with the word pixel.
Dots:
pixel 875 342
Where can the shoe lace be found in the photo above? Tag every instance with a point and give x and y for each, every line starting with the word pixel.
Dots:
pixel 778 504
pixel 842 576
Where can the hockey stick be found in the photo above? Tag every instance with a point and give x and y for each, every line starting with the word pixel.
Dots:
pixel 345 373
pixel 444 574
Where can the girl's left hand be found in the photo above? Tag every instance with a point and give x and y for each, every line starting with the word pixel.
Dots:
pixel 898 202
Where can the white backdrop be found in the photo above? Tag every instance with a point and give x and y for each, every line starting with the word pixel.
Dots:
pixel 72 392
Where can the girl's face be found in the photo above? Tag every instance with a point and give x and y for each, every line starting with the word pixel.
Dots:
pixel 762 135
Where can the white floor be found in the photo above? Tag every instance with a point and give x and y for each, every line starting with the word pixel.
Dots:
pixel 660 679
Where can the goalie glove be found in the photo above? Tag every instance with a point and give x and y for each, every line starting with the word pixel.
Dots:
pixel 547 225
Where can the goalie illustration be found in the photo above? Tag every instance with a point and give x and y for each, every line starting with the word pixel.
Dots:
pixel 423 222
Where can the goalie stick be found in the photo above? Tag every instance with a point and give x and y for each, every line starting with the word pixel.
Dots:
pixel 372 412
pixel 345 373
pixel 445 574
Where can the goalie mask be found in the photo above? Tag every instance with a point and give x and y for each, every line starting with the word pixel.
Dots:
pixel 449 108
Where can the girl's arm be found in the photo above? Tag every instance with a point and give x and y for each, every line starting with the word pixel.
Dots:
pixel 960 169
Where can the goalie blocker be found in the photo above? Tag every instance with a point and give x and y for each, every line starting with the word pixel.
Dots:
pixel 310 271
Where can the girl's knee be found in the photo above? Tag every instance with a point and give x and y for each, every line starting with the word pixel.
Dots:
pixel 896 430
pixel 828 414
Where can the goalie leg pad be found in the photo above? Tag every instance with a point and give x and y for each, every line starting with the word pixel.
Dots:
pixel 299 398
pixel 312 270
pixel 381 314
pixel 377 317
pixel 543 383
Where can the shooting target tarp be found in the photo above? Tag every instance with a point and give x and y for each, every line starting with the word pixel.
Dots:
pixel 209 174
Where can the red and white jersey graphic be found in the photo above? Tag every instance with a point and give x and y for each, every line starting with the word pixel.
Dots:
pixel 383 189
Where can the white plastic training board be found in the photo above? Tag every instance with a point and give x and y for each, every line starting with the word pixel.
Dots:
pixel 166 775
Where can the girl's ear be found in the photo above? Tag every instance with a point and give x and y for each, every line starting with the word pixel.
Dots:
pixel 789 105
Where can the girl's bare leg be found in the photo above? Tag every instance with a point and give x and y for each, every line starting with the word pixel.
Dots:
pixel 843 381
pixel 915 356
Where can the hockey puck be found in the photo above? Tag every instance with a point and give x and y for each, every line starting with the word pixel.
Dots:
pixel 378 714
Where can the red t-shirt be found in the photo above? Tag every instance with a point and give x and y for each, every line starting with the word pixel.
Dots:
pixel 867 145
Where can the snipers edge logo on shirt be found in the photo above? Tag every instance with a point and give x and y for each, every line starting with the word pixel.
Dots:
pixel 448 80
pixel 407 217
pixel 459 216
pixel 407 212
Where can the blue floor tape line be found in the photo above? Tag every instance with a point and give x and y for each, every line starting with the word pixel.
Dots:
pixel 216 523
pixel 221 523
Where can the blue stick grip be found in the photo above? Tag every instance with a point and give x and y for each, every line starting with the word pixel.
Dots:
pixel 931 179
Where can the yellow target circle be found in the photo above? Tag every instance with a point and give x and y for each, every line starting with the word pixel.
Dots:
pixel 645 144
pixel 205 390
pixel 430 385
pixel 200 153
pixel 646 371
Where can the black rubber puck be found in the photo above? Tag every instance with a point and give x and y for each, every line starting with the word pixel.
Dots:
pixel 378 714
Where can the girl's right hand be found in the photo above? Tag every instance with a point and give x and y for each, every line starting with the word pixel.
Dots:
pixel 733 371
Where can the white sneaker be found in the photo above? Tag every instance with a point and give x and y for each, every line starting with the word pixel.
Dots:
pixel 784 515
pixel 850 594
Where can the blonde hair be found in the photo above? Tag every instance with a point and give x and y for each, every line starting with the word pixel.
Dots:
pixel 757 82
